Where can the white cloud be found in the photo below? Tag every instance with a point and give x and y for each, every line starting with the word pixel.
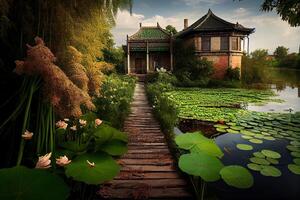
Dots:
pixel 207 2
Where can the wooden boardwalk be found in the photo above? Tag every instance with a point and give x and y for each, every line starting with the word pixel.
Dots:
pixel 148 169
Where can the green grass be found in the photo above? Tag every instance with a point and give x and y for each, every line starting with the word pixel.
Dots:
pixel 216 104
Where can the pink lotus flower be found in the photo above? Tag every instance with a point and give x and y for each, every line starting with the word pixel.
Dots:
pixel 62 161
pixel 91 164
pixel 44 161
pixel 73 128
pixel 61 124
pixel 82 122
pixel 98 122
pixel 27 135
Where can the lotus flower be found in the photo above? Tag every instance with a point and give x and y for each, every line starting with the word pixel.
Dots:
pixel 62 161
pixel 44 161
pixel 66 119
pixel 73 128
pixel 61 124
pixel 91 164
pixel 82 122
pixel 98 122
pixel 27 135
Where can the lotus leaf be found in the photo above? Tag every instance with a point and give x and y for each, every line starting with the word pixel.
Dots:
pixel 232 131
pixel 254 167
pixel 256 141
pixel 270 171
pixel 259 155
pixel 260 161
pixel 293 148
pixel 201 164
pixel 295 143
pixel 114 147
pixel 244 147
pixel 237 128
pixel 269 138
pixel 272 161
pixel 246 137
pixel 245 132
pixel 31 184
pixel 105 168
pixel 259 136
pixel 237 176
pixel 221 130
pixel 296 161
pixel 295 154
pixel 294 168
pixel 271 154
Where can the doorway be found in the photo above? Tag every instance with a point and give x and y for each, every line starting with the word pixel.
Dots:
pixel 140 66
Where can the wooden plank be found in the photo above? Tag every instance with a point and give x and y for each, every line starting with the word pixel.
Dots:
pixel 154 183
pixel 151 161
pixel 149 175
pixel 148 168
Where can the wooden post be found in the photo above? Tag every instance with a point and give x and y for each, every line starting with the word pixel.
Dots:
pixel 147 58
pixel 128 56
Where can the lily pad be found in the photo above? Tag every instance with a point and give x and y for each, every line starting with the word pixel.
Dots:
pixel 295 154
pixel 114 147
pixel 221 126
pixel 259 136
pixel 294 168
pixel 201 164
pixel 105 168
pixel 237 176
pixel 245 132
pixel 271 154
pixel 254 167
pixel 256 141
pixel 295 143
pixel 244 147
pixel 237 128
pixel 31 184
pixel 221 130
pixel 296 161
pixel 260 161
pixel 272 161
pixel 269 138
pixel 232 131
pixel 293 148
pixel 270 171
pixel 247 137
pixel 259 155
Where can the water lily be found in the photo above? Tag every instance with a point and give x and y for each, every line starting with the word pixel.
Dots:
pixel 62 161
pixel 44 161
pixel 98 122
pixel 27 135
pixel 61 124
pixel 73 128
pixel 82 122
pixel 91 164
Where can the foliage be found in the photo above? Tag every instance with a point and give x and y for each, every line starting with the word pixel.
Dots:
pixel 289 10
pixel 113 105
pixel 215 104
pixel 290 61
pixel 232 74
pixel 190 70
pixel 171 29
pixel 115 55
pixel 237 176
pixel 280 52
pixel 31 184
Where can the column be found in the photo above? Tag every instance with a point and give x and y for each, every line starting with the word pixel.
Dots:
pixel 229 51
pixel 147 58
pixel 243 44
pixel 248 47
pixel 128 57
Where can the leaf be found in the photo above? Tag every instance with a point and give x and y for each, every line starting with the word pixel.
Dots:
pixel 259 155
pixel 254 167
pixel 114 147
pixel 260 161
pixel 90 117
pixel 294 168
pixel 31 184
pixel 244 147
pixel 270 171
pixel 105 168
pixel 237 176
pixel 196 142
pixel 271 154
pixel 104 133
pixel 74 146
pixel 201 164
pixel 256 141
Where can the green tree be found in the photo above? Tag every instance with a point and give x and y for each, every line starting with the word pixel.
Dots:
pixel 171 29
pixel 281 52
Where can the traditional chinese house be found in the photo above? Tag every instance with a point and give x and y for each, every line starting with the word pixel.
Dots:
pixel 211 37
pixel 148 49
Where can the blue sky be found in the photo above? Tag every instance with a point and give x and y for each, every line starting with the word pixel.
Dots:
pixel 271 31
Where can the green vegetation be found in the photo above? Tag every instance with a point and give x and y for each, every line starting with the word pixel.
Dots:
pixel 171 29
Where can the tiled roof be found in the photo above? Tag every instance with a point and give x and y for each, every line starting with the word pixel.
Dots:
pixel 211 22
pixel 150 33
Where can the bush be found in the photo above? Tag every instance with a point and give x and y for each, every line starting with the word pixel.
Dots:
pixel 162 77
pixel 232 74
pixel 113 105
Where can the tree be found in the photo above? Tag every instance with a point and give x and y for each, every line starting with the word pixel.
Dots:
pixel 289 10
pixel 171 29
pixel 281 52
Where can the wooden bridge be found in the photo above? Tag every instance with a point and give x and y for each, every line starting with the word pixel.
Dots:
pixel 148 169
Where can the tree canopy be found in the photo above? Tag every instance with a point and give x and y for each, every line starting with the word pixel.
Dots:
pixel 281 52
pixel 171 29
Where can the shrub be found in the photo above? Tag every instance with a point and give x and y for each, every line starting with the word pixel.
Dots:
pixel 113 104
pixel 232 74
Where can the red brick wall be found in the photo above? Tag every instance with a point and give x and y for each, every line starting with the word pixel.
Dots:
pixel 220 64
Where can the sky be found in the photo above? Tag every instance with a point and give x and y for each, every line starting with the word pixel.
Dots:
pixel 270 30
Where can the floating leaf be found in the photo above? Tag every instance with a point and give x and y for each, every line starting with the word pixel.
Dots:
pixel 221 130
pixel 105 168
pixel 259 136
pixel 245 147
pixel 260 161
pixel 201 164
pixel 114 147
pixel 237 176
pixel 245 132
pixel 259 155
pixel 232 131
pixel 247 137
pixel 296 161
pixel 237 128
pixel 221 126
pixel 271 154
pixel 256 141
pixel 295 143
pixel 31 184
pixel 294 168
pixel 272 161
pixel 254 167
pixel 295 154
pixel 270 138
pixel 293 148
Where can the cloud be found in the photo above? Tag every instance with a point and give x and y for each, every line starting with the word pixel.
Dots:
pixel 197 2
pixel 240 12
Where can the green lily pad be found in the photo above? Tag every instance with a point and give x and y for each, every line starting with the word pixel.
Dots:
pixel 293 148
pixel 221 130
pixel 296 161
pixel 270 138
pixel 237 128
pixel 295 154
pixel 270 171
pixel 201 164
pixel 259 155
pixel 245 132
pixel 232 131
pixel 265 133
pixel 31 184
pixel 294 168
pixel 260 161
pixel 105 168
pixel 221 126
pixel 196 142
pixel 254 167
pixel 237 176
pixel 256 141
pixel 259 136
pixel 271 154
pixel 244 147
pixel 247 137
pixel 114 147
pixel 295 143
pixel 272 161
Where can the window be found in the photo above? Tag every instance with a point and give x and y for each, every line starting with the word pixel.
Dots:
pixel 235 43
pixel 205 43
pixel 224 43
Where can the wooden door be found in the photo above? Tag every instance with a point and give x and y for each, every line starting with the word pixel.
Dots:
pixel 140 66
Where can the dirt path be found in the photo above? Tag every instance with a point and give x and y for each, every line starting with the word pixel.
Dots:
pixel 149 170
